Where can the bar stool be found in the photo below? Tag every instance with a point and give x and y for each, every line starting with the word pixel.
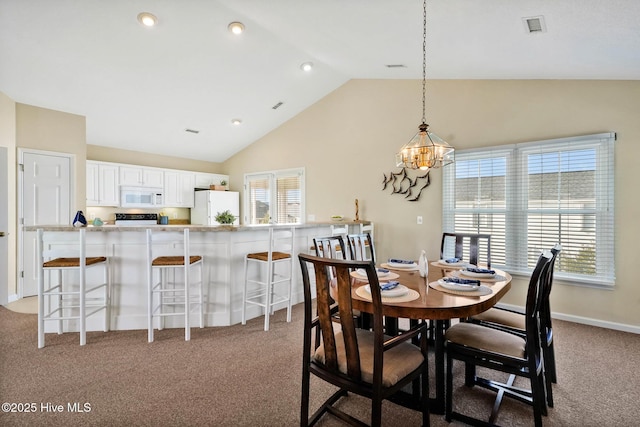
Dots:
pixel 168 296
pixel 68 299
pixel 280 252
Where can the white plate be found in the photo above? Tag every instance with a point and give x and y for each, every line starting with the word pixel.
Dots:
pixel 454 264
pixel 457 287
pixel 398 291
pixel 477 275
pixel 398 265
pixel 381 274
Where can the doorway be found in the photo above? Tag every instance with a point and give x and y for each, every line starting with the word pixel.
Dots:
pixel 4 226
pixel 44 198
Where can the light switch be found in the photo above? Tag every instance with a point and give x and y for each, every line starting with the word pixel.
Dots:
pixel 419 220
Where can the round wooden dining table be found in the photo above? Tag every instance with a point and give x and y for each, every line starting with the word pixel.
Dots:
pixel 432 302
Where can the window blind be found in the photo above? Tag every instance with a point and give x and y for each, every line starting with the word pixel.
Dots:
pixel 531 196
pixel 274 197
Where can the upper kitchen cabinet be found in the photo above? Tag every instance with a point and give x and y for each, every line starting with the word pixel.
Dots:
pixel 102 184
pixel 205 180
pixel 178 188
pixel 139 176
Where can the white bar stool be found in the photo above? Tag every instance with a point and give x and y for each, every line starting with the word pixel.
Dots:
pixel 168 296
pixel 280 252
pixel 68 299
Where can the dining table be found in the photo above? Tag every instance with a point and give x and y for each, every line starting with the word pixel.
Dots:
pixel 427 299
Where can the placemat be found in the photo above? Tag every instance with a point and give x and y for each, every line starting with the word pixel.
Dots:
pixel 482 290
pixel 389 276
pixel 410 296
pixel 385 265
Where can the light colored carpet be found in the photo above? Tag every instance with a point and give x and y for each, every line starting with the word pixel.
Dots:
pixel 28 305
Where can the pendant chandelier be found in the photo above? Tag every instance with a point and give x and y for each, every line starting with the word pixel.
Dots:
pixel 426 150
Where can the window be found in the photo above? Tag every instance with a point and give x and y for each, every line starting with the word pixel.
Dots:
pixel 531 196
pixel 274 197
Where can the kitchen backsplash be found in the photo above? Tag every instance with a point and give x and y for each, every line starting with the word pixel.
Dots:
pixel 108 214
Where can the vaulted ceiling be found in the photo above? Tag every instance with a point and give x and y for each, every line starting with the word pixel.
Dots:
pixel 143 88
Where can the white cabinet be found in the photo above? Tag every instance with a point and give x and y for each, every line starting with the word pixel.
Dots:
pixel 178 188
pixel 204 180
pixel 102 184
pixel 139 176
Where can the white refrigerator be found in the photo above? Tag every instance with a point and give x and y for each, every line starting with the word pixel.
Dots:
pixel 209 203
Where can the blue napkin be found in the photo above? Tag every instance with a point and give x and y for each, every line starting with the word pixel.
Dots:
pixel 480 270
pixel 459 281
pixel 388 286
pixel 452 260
pixel 400 261
pixel 383 270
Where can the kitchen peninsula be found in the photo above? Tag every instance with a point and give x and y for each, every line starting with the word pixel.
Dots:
pixel 223 248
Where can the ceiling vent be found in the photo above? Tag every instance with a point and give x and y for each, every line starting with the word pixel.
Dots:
pixel 535 24
pixel 396 66
pixel 278 105
pixel 192 130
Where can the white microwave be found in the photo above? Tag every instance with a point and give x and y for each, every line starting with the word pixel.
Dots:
pixel 141 197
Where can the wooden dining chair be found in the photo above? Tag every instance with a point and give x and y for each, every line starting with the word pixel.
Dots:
pixel 473 248
pixel 361 247
pixel 364 362
pixel 330 247
pixel 515 322
pixel 478 345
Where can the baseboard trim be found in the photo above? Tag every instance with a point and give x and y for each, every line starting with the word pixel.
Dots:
pixel 584 320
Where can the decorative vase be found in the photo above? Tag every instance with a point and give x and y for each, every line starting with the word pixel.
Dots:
pixel 79 220
pixel 423 265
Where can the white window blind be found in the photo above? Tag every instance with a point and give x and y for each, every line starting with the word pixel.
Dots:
pixel 274 197
pixel 531 196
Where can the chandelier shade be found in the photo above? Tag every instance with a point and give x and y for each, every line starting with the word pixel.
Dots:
pixel 426 150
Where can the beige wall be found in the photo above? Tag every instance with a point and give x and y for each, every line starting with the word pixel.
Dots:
pixel 8 140
pixel 347 141
pixel 106 154
pixel 49 130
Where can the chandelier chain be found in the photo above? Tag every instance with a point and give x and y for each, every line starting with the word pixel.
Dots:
pixel 424 60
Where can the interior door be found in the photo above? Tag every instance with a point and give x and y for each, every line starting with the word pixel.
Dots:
pixel 4 226
pixel 45 198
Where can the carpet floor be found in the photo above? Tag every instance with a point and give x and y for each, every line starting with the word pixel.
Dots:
pixel 243 376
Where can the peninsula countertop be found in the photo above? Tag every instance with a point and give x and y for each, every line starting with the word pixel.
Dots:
pixel 191 227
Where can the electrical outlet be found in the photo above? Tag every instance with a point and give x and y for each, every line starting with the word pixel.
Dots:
pixel 175 215
pixel 419 220
pixel 311 217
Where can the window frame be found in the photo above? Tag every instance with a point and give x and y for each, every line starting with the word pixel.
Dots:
pixel 272 178
pixel 518 213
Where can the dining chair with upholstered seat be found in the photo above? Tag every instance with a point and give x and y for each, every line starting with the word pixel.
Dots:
pixel 473 248
pixel 478 345
pixel 330 247
pixel 515 322
pixel 339 230
pixel 364 362
pixel 361 247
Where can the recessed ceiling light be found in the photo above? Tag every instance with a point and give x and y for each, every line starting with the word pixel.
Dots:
pixel 307 66
pixel 236 27
pixel 147 19
pixel 236 122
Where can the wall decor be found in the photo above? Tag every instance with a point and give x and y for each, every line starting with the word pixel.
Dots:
pixel 402 183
